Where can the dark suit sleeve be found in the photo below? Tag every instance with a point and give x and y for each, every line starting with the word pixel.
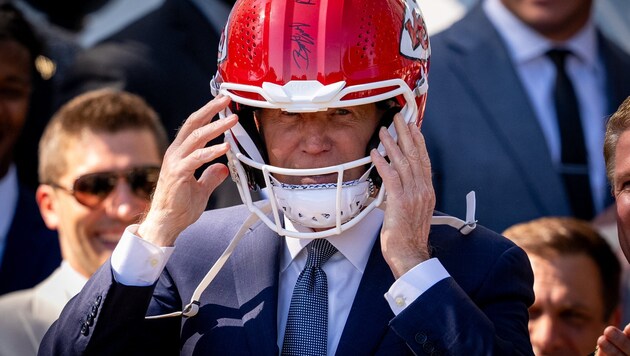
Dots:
pixel 108 318
pixel 490 321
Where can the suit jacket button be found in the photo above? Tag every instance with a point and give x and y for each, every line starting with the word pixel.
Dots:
pixel 94 309
pixel 421 338
pixel 98 300
pixel 90 320
pixel 84 329
pixel 428 348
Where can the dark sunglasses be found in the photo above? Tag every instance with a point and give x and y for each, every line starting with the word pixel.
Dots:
pixel 91 189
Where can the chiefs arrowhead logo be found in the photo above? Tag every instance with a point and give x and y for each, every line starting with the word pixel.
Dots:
pixel 416 30
pixel 222 53
pixel 414 39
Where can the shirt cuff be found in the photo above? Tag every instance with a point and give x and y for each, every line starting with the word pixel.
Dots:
pixel 137 262
pixel 412 284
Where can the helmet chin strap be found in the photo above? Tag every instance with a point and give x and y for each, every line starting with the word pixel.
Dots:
pixel 192 308
pixel 316 205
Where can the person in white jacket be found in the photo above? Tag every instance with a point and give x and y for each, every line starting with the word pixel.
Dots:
pixel 100 157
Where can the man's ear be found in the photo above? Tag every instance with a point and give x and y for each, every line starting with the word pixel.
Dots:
pixel 48 205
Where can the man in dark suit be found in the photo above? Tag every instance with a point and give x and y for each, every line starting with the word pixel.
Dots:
pixel 317 115
pixel 167 57
pixel 29 251
pixel 491 123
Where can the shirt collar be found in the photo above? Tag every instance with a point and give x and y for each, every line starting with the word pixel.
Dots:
pixel 525 44
pixel 355 244
pixel 73 280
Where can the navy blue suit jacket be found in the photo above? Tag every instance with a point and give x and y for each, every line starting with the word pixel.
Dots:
pixel 480 310
pixel 31 251
pixel 481 130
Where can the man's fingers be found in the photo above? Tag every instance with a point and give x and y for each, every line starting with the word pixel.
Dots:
pixel 408 156
pixel 212 176
pixel 201 117
pixel 613 342
pixel 391 179
pixel 202 156
pixel 395 172
pixel 421 146
pixel 199 137
pixel 405 141
pixel 619 339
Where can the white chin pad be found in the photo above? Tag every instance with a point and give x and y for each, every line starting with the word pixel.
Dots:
pixel 315 205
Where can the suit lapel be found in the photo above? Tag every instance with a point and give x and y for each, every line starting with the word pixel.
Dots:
pixel 370 314
pixel 50 296
pixel 495 85
pixel 255 263
pixel 617 75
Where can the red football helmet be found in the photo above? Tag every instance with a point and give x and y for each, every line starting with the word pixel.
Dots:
pixel 312 55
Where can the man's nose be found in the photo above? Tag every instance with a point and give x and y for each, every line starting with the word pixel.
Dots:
pixel 544 334
pixel 123 204
pixel 316 136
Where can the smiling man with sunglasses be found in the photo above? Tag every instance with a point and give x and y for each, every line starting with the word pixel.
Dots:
pixel 100 158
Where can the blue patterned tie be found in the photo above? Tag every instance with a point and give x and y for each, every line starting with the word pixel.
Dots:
pixel 307 323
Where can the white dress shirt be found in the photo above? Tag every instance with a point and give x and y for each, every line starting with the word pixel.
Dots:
pixel 344 271
pixel 527 49
pixel 9 191
pixel 136 262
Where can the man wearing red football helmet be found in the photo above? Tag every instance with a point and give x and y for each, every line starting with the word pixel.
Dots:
pixel 321 104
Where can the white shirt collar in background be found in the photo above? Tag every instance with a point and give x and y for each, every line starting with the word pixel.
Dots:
pixel 525 44
pixel 74 280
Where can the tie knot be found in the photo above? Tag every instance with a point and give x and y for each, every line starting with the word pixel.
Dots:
pixel 558 56
pixel 319 251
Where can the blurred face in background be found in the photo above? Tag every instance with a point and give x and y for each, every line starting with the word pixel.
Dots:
pixel 557 20
pixel 88 235
pixel 15 90
pixel 621 190
pixel 567 316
